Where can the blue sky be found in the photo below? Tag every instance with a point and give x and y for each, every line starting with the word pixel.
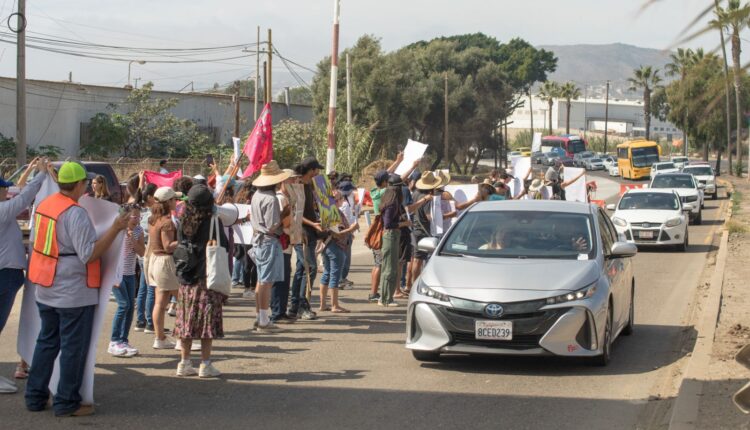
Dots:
pixel 302 30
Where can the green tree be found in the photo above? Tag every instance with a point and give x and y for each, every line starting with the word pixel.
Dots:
pixel 548 92
pixel 105 137
pixel 245 87
pixel 645 78
pixel 569 91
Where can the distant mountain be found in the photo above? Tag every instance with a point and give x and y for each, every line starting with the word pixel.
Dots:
pixel 595 64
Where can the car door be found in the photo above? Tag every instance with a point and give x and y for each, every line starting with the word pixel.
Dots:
pixel 613 269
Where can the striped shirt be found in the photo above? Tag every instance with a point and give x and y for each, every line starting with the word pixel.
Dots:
pixel 128 251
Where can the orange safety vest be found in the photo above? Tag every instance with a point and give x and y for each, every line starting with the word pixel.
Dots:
pixel 44 255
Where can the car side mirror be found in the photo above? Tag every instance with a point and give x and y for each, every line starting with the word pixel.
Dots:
pixel 687 207
pixel 428 245
pixel 623 250
pixel 611 207
pixel 701 186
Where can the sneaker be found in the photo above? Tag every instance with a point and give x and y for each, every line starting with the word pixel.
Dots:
pixel 235 284
pixel 186 369
pixel 140 326
pixel 268 328
pixel 149 329
pixel 7 386
pixel 309 315
pixel 248 294
pixel 392 304
pixel 165 343
pixel 172 312
pixel 208 371
pixel 283 319
pixel 373 297
pixel 195 346
pixel 380 303
pixel 132 351
pixel 117 349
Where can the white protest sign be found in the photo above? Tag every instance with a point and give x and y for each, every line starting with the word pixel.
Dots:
pixel 436 212
pixel 521 166
pixel 102 214
pixel 575 192
pixel 243 233
pixel 413 152
pixel 236 148
pixel 536 144
pixel 463 193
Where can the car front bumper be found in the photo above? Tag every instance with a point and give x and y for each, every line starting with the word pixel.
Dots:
pixel 661 235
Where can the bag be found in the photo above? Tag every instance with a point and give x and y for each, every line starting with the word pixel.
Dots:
pixel 185 258
pixel 374 236
pixel 218 277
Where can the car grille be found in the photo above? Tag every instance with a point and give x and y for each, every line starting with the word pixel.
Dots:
pixel 688 199
pixel 646 224
pixel 518 341
pixel 662 236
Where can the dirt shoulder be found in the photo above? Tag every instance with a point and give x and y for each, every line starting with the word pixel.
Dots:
pixel 725 376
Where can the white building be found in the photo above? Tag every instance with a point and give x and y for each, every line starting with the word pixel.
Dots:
pixel 57 112
pixel 587 114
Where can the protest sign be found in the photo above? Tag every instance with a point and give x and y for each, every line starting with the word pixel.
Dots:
pixel 436 212
pixel 296 193
pixel 161 179
pixel 413 152
pixel 536 144
pixel 329 212
pixel 463 193
pixel 236 148
pixel 521 167
pixel 575 192
pixel 243 233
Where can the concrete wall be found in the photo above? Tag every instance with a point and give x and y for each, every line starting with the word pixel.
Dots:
pixel 56 110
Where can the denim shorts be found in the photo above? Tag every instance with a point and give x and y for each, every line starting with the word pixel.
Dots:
pixel 269 261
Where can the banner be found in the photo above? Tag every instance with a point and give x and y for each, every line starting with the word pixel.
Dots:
pixel 329 212
pixel 102 214
pixel 161 179
pixel 243 233
pixel 414 151
pixel 575 192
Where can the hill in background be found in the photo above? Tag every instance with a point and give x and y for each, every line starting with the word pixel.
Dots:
pixel 595 64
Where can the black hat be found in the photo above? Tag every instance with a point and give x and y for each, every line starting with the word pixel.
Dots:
pixel 381 176
pixel 395 180
pixel 200 196
pixel 346 186
pixel 310 163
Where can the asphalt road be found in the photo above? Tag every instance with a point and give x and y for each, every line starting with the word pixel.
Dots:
pixel 352 371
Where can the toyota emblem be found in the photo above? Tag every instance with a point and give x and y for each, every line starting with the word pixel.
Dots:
pixel 493 310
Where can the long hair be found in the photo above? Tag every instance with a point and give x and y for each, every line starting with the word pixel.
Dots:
pixel 159 210
pixel 133 188
pixel 228 196
pixel 393 195
pixel 245 194
pixel 105 191
pixel 193 217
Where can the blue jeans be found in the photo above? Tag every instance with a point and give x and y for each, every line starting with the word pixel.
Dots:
pixel 145 302
pixel 66 331
pixel 334 259
pixel 299 299
pixel 237 271
pixel 11 281
pixel 348 259
pixel 125 296
pixel 280 291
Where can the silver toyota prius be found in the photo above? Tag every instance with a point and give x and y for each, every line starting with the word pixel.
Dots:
pixel 524 277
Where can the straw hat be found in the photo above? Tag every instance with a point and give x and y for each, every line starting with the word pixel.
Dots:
pixel 270 174
pixel 445 177
pixel 429 181
pixel 536 185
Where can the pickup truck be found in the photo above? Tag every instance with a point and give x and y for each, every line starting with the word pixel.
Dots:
pixel 117 191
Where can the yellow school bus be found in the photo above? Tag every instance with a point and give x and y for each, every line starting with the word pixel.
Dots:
pixel 635 157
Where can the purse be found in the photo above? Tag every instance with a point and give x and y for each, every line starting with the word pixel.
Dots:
pixel 218 277
pixel 374 236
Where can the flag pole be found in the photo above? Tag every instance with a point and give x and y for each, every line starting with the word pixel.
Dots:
pixel 331 153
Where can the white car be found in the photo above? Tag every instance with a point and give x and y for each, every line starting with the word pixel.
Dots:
pixel 664 167
pixel 613 170
pixel 680 161
pixel 685 185
pixel 705 175
pixel 609 161
pixel 652 217
pixel 594 164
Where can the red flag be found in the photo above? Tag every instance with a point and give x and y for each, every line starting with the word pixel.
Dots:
pixel 162 179
pixel 259 145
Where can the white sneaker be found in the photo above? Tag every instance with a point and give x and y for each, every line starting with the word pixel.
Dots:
pixel 195 346
pixel 172 312
pixel 186 369
pixel 248 294
pixel 117 349
pixel 131 350
pixel 7 386
pixel 268 328
pixel 166 343
pixel 208 371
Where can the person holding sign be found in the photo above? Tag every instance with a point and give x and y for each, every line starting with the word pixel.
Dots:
pixel 65 268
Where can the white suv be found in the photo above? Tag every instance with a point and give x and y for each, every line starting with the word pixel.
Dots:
pixel 685 185
pixel 705 175
pixel 652 217
pixel 663 167
pixel 680 161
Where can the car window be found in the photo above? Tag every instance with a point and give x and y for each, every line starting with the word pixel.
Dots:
pixel 682 181
pixel 652 201
pixel 700 171
pixel 611 226
pixel 607 238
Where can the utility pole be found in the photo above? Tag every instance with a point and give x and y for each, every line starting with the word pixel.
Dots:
pixel 257 75
pixel 265 82
pixel 21 84
pixel 585 110
pixel 331 153
pixel 606 118
pixel 269 83
pixel 237 113
pixel 287 100
pixel 348 108
pixel 445 132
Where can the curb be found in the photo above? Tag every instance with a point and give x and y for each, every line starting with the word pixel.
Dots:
pixel 687 404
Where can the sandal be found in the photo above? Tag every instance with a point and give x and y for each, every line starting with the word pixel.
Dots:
pixel 340 311
pixel 325 309
pixel 21 372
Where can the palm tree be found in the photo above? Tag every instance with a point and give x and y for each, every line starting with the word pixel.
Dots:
pixel 569 91
pixel 647 79
pixel 727 92
pixel 549 91
pixel 681 61
pixel 734 18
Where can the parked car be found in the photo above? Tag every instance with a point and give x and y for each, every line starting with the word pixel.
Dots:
pixel 652 217
pixel 594 164
pixel 579 159
pixel 685 185
pixel 549 158
pixel 706 176
pixel 493 284
pixel 679 161
pixel 567 161
pixel 663 167
pixel 536 157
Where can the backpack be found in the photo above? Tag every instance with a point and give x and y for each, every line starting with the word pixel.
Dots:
pixel 186 257
pixel 374 236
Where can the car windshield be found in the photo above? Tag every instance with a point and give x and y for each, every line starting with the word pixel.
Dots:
pixel 682 181
pixel 576 146
pixel 679 159
pixel 700 171
pixel 645 157
pixel 596 160
pixel 663 166
pixel 521 234
pixel 654 201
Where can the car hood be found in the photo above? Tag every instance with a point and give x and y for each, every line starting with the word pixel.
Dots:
pixel 682 192
pixel 704 177
pixel 518 280
pixel 647 215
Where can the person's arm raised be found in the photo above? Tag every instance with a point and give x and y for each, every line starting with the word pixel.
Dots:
pixel 399 158
pixel 567 183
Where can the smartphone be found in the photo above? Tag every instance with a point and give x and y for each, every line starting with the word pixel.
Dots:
pixel 209 160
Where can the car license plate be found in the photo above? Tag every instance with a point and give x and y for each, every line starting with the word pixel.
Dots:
pixel 646 234
pixel 493 330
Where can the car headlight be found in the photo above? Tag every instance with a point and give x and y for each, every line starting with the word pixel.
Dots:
pixel 674 222
pixel 619 221
pixel 429 292
pixel 689 199
pixel 583 293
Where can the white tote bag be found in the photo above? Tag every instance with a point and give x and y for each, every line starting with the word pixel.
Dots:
pixel 218 277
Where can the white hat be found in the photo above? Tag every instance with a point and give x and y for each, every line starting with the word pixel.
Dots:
pixel 199 177
pixel 165 194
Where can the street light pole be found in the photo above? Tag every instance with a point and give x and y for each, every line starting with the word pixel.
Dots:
pixel 130 63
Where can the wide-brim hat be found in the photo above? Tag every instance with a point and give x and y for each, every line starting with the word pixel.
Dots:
pixel 429 181
pixel 445 177
pixel 271 174
pixel 536 185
